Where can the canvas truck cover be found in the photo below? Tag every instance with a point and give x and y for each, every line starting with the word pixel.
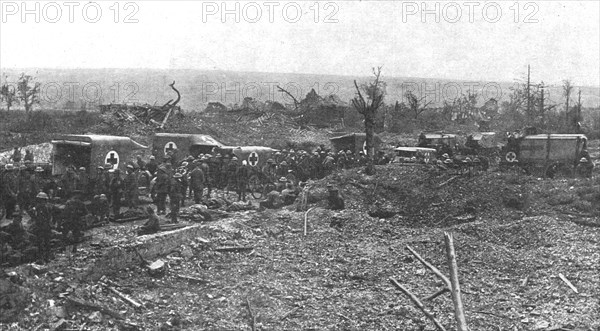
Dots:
pixel 436 138
pixel 91 151
pixel 552 147
pixel 486 139
pixel 182 144
pixel 355 142
pixel 256 156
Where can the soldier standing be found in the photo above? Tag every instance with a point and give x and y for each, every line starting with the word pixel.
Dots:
pixel 140 163
pixel 162 189
pixel 73 221
pixel 10 190
pixel 28 156
pixel 206 170
pixel 116 192
pixel 175 196
pixel 83 182
pixel 16 157
pixel 69 182
pixel 196 178
pixel 41 218
pixel 232 171
pixel 25 189
pixel 152 166
pixel 282 169
pixel 184 183
pixel 130 185
pixel 243 173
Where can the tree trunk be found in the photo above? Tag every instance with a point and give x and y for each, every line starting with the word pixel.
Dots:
pixel 567 109
pixel 370 131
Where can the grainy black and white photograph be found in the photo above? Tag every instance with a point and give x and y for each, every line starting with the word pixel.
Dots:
pixel 299 165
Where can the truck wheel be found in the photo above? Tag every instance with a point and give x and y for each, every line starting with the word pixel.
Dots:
pixel 510 157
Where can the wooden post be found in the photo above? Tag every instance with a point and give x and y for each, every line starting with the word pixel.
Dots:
pixel 306 220
pixel 417 303
pixel 459 313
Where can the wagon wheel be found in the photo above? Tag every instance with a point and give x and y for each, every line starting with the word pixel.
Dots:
pixel 255 186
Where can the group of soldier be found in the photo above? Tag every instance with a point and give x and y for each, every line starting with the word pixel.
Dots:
pixel 27 187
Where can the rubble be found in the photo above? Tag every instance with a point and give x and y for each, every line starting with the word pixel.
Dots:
pixel 147 114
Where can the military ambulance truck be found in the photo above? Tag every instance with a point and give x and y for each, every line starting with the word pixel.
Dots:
pixel 91 151
pixel 545 154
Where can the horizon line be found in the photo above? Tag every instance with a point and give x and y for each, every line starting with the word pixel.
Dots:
pixel 515 80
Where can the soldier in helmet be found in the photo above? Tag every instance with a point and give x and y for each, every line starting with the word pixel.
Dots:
pixel 242 176
pixel 73 222
pixel 215 163
pixel 152 166
pixel 289 194
pixel 206 170
pixel 130 187
pixel 83 182
pixel 175 196
pixel 282 169
pixel 152 225
pixel 335 201
pixel 585 167
pixel 196 180
pixel 25 189
pixel 270 170
pixel 10 189
pixel 232 170
pixel 68 182
pixel 41 224
pixel 161 188
pixel 116 192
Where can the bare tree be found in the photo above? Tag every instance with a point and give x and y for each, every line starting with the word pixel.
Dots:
pixel 28 91
pixel 8 94
pixel 416 105
pixel 567 89
pixel 368 107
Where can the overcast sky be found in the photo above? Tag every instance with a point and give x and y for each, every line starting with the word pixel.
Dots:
pixel 467 40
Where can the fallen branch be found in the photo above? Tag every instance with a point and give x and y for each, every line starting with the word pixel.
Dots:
pixel 234 249
pixel 448 181
pixel 437 294
pixel 289 313
pixel 252 317
pixel 430 267
pixel 125 297
pixel 296 103
pixel 94 307
pixel 417 303
pixel 459 313
pixel 193 279
pixel 564 279
pixel 306 220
